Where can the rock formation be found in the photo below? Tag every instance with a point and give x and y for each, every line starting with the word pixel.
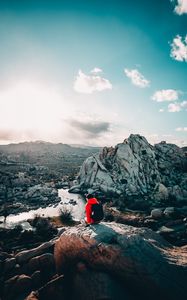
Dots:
pixel 136 168
pixel 115 261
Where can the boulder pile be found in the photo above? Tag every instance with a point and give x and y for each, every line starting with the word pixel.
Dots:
pixel 26 271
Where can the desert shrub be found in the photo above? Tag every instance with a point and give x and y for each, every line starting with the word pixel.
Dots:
pixel 35 220
pixel 26 236
pixel 18 229
pixel 65 215
pixel 43 226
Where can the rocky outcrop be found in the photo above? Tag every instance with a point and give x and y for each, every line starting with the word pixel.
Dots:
pixel 136 168
pixel 115 261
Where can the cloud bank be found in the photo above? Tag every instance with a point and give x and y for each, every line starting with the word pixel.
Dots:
pixel 165 95
pixel 181 129
pixel 181 7
pixel 179 48
pixel 137 78
pixel 87 84
pixel 92 128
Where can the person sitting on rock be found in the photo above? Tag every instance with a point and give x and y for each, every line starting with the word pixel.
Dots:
pixel 94 210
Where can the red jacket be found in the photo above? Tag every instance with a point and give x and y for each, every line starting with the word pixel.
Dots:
pixel 88 209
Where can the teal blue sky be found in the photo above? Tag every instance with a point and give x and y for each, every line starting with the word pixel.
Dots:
pixel 49 89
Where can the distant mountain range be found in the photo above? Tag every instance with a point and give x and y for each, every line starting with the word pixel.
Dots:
pixel 37 146
pixel 42 146
pixel 58 157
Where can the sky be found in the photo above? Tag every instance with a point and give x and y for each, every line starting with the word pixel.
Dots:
pixel 93 71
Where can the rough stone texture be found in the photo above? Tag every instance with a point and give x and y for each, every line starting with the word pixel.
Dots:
pixel 43 262
pixel 54 289
pixel 136 168
pixel 17 285
pixel 24 256
pixel 170 211
pixel 36 279
pixel 5 255
pixel 32 296
pixel 9 264
pixel 135 261
pixel 156 213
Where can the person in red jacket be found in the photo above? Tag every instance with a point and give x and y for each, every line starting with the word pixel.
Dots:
pixel 88 208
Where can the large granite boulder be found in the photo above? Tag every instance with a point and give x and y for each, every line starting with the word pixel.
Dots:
pixel 115 261
pixel 136 168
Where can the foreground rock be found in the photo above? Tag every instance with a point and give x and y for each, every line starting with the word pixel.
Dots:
pixel 135 168
pixel 115 261
pixel 104 261
pixel 26 271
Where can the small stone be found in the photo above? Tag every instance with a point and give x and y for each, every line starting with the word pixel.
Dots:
pixel 170 212
pixel 33 296
pixel 165 229
pixel 156 213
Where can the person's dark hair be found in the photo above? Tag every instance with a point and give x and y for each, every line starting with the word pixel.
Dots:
pixel 89 196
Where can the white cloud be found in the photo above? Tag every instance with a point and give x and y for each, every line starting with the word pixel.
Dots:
pixel 174 107
pixel 96 70
pixel 181 7
pixel 161 110
pixel 87 84
pixel 179 48
pixel 165 95
pixel 181 129
pixel 137 78
pixel 184 104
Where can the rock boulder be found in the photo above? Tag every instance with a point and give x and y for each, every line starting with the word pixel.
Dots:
pixel 120 262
